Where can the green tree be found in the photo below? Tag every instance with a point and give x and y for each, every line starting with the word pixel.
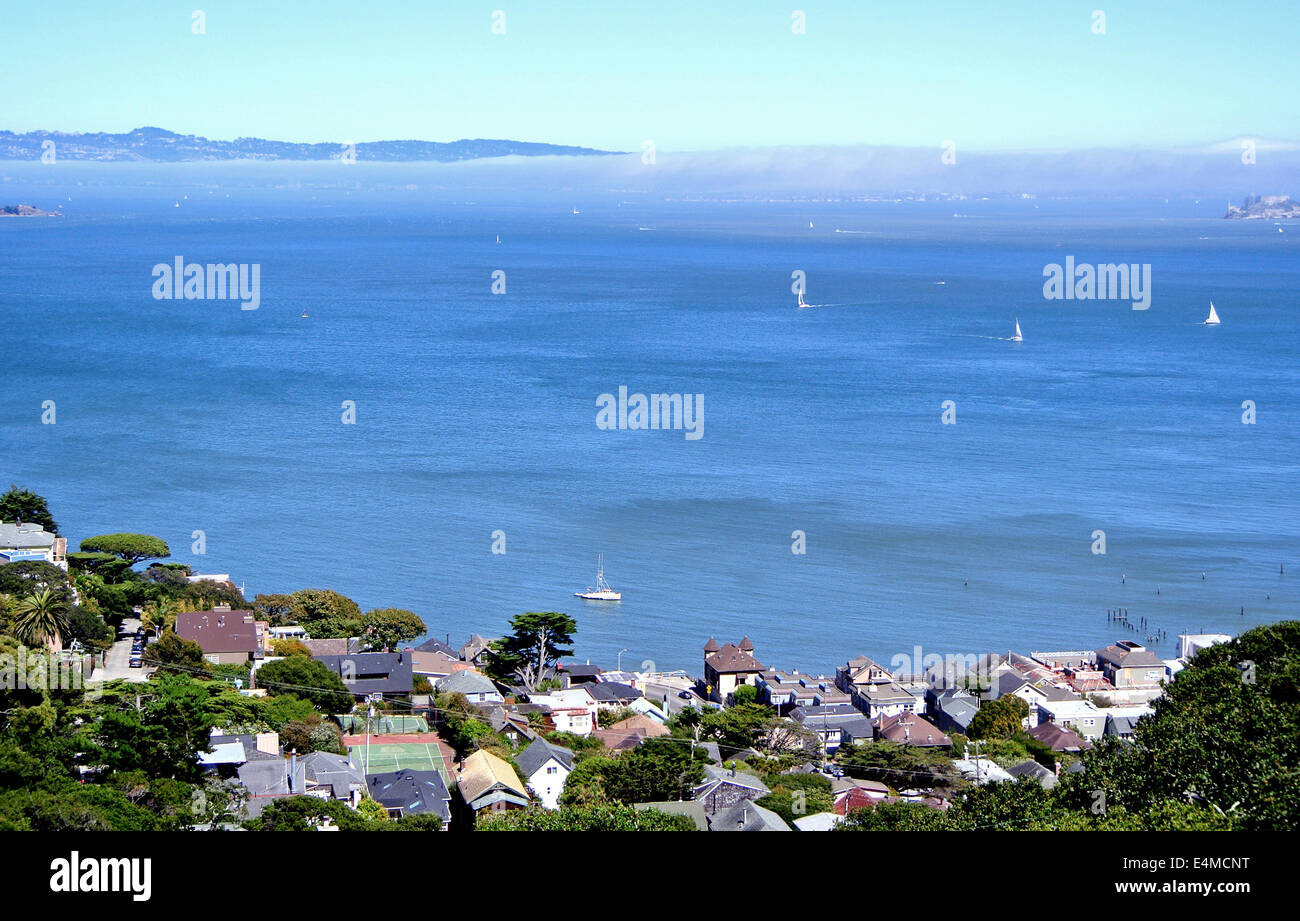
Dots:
pixel 163 735
pixel 536 641
pixel 89 629
pixel 999 719
pixel 604 817
pixel 657 769
pixel 133 548
pixel 171 653
pixel 1225 736
pixel 278 609
pixel 28 576
pixel 895 817
pixel 735 728
pixel 388 628
pixel 41 617
pixel 308 679
pixel 18 504
pixel 307 813
pixel 745 694
pixel 897 765
pixel 317 604
pixel 796 795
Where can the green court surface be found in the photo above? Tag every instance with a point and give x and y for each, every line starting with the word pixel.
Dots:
pixel 383 724
pixel 388 756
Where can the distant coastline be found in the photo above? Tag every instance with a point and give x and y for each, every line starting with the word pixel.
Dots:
pixel 26 211
pixel 1264 208
pixel 158 145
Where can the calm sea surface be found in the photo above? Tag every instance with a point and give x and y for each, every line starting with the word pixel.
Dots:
pixel 477 412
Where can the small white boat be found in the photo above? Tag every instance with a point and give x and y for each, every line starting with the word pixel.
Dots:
pixel 1017 337
pixel 1213 318
pixel 576 211
pixel 802 303
pixel 498 238
pixel 602 591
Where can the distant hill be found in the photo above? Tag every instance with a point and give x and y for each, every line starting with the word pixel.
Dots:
pixel 158 145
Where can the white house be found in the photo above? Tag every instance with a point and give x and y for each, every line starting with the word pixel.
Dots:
pixel 545 768
pixel 572 709
pixel 1083 716
pixel 477 687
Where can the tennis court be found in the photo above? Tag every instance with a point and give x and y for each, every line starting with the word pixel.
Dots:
pixel 383 724
pixel 386 756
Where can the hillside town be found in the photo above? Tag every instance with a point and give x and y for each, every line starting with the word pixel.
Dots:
pixel 314 715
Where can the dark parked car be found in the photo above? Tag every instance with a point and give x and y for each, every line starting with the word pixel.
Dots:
pixel 137 662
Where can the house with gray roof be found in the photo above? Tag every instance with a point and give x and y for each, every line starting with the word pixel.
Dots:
pixel 836 725
pixel 365 673
pixel 1126 664
pixel 476 686
pixel 1035 770
pixel 612 695
pixel 408 792
pixel 475 650
pixel 951 709
pixel 334 775
pixel 746 816
pixel 270 780
pixel 545 768
pixel 726 787
pixel 23 541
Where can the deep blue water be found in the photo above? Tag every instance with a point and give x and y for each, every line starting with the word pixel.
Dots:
pixel 477 412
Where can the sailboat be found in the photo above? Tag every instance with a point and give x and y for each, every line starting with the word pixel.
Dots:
pixel 1017 337
pixel 802 302
pixel 1213 318
pixel 602 591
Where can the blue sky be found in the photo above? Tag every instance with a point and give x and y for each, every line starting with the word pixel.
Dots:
pixel 1002 75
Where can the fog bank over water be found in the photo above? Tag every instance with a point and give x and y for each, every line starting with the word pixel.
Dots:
pixel 1213 171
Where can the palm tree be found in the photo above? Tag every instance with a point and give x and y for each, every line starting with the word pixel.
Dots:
pixel 160 616
pixel 41 617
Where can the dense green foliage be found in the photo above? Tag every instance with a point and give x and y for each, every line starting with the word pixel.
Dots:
pixel 999 719
pixel 388 628
pixel 657 769
pixel 133 548
pixel 797 795
pixel 585 818
pixel 18 504
pixel 308 679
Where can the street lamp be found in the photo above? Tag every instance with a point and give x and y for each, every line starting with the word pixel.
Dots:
pixel 620 658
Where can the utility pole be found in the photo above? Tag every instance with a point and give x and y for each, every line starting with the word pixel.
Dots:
pixel 370 714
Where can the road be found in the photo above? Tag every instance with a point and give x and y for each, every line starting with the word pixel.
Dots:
pixel 118 663
pixel 656 691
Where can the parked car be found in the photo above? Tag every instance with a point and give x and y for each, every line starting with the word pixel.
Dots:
pixel 137 662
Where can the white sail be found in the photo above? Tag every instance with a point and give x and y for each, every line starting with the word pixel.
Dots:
pixel 802 302
pixel 1213 318
pixel 1017 337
